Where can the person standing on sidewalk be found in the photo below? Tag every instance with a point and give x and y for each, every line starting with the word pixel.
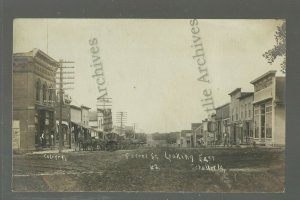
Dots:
pixel 52 139
pixel 42 139
pixel 226 139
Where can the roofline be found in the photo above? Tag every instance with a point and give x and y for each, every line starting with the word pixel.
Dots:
pixel 34 52
pixel 222 105
pixel 82 106
pixel 234 91
pixel 73 106
pixel 264 75
pixel 196 123
pixel 246 94
pixel 186 130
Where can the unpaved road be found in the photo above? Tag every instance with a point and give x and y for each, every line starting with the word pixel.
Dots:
pixel 159 169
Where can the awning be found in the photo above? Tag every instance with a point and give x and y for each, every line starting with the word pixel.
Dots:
pixel 82 125
pixel 96 130
pixel 262 100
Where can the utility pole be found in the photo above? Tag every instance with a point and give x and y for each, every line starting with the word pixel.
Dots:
pixel 104 102
pixel 61 89
pixel 121 119
pixel 134 126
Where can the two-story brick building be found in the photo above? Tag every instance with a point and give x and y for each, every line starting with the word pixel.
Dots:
pixel 34 97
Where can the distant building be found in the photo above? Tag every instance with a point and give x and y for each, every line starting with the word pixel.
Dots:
pixel 269 109
pixel 79 123
pixel 154 142
pixel 123 130
pixel 96 124
pixel 222 122
pixel 85 115
pixel 34 98
pixel 107 119
pixel 66 120
pixel 194 126
pixel 186 138
pixel 246 117
pixel 198 135
pixel 196 138
pixel 238 121
pixel 75 114
pixel 207 131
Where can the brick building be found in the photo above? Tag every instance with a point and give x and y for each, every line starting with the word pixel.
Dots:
pixel 34 97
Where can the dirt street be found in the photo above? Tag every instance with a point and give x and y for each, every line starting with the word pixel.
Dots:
pixel 159 169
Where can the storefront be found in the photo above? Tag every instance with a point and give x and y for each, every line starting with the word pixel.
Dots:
pixel 269 109
pixel 44 126
pixel 222 122
pixel 66 134
pixel 246 117
pixel 263 122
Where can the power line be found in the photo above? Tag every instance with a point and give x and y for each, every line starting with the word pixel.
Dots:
pixel 121 119
pixel 61 89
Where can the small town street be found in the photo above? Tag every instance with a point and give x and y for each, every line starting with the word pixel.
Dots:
pixel 153 169
pixel 177 115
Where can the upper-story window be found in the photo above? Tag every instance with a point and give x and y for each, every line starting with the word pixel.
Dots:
pixel 249 110
pixel 242 113
pixel 50 95
pixel 45 91
pixel 38 90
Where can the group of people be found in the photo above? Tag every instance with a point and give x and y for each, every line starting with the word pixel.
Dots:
pixel 46 139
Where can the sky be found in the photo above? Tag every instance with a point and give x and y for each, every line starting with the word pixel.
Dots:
pixel 148 65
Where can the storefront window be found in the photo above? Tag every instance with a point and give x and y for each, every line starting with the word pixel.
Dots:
pixel 45 93
pixel 38 90
pixel 256 126
pixel 262 120
pixel 242 114
pixel 256 122
pixel 249 112
pixel 269 121
pixel 47 118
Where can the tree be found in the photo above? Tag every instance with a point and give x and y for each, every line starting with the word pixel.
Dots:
pixel 129 133
pixel 171 138
pixel 279 49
